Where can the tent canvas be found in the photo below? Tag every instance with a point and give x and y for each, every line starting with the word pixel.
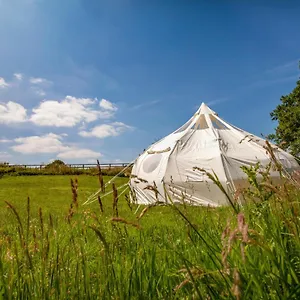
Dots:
pixel 207 142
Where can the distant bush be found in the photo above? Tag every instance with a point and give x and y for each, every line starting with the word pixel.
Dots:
pixel 56 163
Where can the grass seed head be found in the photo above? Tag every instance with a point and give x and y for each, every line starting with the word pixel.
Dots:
pixel 122 220
pixel 100 204
pixel 144 212
pixel 236 289
pixel 115 200
pixel 100 177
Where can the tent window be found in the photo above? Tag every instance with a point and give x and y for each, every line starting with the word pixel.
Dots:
pixel 200 123
pixel 151 162
pixel 217 123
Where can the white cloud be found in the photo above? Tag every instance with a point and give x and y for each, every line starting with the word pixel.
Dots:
pixel 106 130
pixel 38 91
pixel 18 76
pixel 79 153
pixel 38 85
pixel 49 143
pixel 5 141
pixel 38 80
pixel 68 112
pixel 3 83
pixel 107 105
pixel 52 143
pixel 144 104
pixel 12 112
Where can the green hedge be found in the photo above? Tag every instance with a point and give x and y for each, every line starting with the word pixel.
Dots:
pixel 58 170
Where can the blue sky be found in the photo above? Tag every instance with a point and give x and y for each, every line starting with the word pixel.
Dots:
pixel 81 80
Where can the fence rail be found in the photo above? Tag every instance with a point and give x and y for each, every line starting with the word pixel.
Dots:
pixel 74 166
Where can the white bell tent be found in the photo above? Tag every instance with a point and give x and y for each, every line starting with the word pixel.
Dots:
pixel 206 142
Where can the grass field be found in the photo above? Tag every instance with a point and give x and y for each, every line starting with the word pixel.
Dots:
pixel 174 252
pixel 52 193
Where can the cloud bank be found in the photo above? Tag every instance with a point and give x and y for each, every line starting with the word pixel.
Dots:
pixel 52 143
pixel 80 116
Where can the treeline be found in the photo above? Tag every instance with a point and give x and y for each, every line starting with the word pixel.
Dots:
pixel 58 167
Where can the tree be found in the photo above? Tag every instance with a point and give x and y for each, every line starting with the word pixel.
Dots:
pixel 287 113
pixel 56 164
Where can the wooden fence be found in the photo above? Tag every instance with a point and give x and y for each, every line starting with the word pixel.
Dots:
pixel 75 166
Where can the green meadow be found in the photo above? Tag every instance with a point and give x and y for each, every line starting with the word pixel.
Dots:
pixel 54 247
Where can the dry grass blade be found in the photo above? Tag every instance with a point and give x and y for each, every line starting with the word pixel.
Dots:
pixel 144 211
pixel 272 188
pixel 236 290
pixel 270 150
pixel 74 188
pixel 20 227
pixel 215 179
pixel 41 220
pixel 180 285
pixel 115 200
pixel 128 202
pixel 100 177
pixel 70 213
pixel 153 188
pixel 28 216
pixel 142 180
pixel 121 220
pixel 100 236
pixel 100 204
pixel 16 214
pixel 50 221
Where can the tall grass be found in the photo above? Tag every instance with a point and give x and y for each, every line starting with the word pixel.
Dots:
pixel 106 251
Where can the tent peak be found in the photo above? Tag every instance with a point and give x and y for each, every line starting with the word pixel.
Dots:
pixel 204 109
